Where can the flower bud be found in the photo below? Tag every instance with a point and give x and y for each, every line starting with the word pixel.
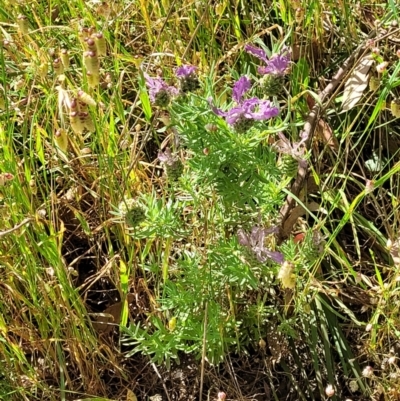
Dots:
pixel 382 67
pixel 5 177
pixel 329 391
pixel 368 372
pixel 221 396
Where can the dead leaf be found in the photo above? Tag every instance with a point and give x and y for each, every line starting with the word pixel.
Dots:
pixel 104 322
pixel 357 83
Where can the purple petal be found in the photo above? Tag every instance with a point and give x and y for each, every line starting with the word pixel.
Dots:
pixel 277 257
pixel 242 85
pixel 234 114
pixel 164 156
pixel 256 52
pixel 185 70
pixel 257 236
pixel 157 85
pixel 243 238
pixel 265 111
pixel 278 64
pixel 271 230
pixel 216 110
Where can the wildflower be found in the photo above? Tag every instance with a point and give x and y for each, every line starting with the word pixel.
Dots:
pixel 368 372
pixel 382 67
pixel 242 116
pixel 274 71
pixel 255 243
pixel 188 79
pixel 276 65
pixel 159 91
pixel 173 165
pixel 353 386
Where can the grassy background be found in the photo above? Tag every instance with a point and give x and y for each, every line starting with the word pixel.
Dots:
pixel 72 265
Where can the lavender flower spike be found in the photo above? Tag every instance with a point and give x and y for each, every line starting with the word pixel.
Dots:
pixel 275 65
pixel 185 70
pixel 242 116
pixel 255 243
pixel 187 77
pixel 160 92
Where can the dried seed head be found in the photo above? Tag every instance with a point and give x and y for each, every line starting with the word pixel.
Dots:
pixel 101 44
pixel 395 107
pixel 77 125
pixel 23 24
pixel 86 98
pixel 91 62
pixel 91 45
pixel 93 79
pixel 83 34
pixel 329 391
pixel 353 386
pixel 103 9
pixel 86 151
pixel 299 15
pixel 74 105
pixel 43 69
pixel 58 66
pixel 374 83
pixel 64 55
pixel 61 139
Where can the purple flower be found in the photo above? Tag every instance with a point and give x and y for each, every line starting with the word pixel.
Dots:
pixel 187 77
pixel 276 65
pixel 185 70
pixel 242 85
pixel 166 156
pixel 255 242
pixel 243 115
pixel 256 52
pixel 160 92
